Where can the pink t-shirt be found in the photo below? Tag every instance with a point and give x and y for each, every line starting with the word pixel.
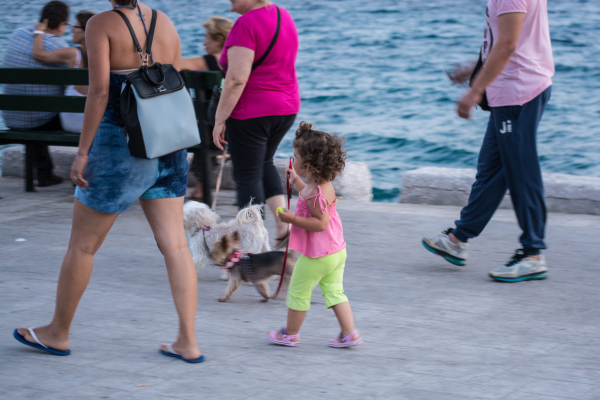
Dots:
pixel 531 67
pixel 272 88
pixel 317 244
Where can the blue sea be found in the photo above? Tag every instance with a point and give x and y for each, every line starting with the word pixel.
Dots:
pixel 374 72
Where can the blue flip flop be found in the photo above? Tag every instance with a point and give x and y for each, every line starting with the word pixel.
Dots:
pixel 173 353
pixel 39 345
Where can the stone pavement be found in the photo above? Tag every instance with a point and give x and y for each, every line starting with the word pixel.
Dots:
pixel 432 330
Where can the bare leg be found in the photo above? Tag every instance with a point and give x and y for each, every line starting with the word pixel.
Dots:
pixel 166 220
pixel 273 203
pixel 295 319
pixel 88 231
pixel 343 312
pixel 198 193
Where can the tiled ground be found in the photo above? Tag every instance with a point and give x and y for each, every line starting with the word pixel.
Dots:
pixel 432 330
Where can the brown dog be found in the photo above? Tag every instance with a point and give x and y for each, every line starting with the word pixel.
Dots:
pixel 254 268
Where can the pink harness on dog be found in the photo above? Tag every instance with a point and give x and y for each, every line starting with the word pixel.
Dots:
pixel 235 258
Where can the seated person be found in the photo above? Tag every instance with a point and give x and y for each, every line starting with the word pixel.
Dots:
pixel 19 55
pixel 74 57
pixel 216 31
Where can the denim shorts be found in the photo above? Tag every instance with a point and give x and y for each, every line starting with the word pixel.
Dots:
pixel 116 179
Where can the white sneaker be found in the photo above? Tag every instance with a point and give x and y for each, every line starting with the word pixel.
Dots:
pixel 521 268
pixel 454 253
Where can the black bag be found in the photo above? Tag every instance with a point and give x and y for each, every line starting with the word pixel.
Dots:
pixel 157 112
pixel 484 102
pixel 216 93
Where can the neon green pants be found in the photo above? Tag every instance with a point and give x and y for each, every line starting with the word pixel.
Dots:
pixel 327 271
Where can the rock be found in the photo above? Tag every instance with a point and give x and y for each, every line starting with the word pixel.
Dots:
pixel 354 184
pixel 447 186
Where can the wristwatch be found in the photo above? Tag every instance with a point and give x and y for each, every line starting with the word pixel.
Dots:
pixel 39 32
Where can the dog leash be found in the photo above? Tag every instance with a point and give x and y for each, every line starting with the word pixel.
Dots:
pixel 218 186
pixel 287 245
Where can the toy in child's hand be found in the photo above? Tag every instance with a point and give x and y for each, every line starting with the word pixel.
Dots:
pixel 280 209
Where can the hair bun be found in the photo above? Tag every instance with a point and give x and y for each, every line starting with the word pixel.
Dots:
pixel 305 127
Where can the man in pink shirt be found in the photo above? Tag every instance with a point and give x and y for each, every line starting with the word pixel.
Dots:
pixel 516 82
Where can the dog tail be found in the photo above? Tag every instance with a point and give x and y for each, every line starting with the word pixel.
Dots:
pixel 249 215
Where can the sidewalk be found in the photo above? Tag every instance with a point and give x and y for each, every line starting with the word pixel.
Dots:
pixel 432 330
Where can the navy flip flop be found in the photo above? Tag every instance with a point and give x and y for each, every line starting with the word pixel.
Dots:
pixel 39 344
pixel 173 353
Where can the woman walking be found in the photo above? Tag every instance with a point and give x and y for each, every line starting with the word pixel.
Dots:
pixel 259 101
pixel 109 180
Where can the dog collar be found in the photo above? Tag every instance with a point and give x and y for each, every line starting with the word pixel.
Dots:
pixel 235 258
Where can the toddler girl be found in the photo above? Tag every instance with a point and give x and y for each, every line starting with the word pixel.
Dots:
pixel 317 234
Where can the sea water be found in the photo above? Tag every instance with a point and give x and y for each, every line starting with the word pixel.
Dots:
pixel 374 72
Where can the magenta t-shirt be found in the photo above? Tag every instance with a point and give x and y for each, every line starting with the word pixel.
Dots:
pixel 272 88
pixel 530 69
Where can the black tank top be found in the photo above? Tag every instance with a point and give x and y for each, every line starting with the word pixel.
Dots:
pixel 211 62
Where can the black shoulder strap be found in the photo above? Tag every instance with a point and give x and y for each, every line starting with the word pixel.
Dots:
pixel 135 40
pixel 211 62
pixel 151 33
pixel 264 56
pixel 134 37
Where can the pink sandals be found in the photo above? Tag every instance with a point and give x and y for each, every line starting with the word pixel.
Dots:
pixel 286 340
pixel 346 340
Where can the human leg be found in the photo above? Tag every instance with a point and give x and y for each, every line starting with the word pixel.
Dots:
pixel 89 229
pixel 165 217
pixel 274 192
pixel 247 145
pixel 518 147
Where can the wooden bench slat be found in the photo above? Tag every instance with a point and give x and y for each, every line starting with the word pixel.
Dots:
pixel 44 76
pixel 26 102
pixel 39 136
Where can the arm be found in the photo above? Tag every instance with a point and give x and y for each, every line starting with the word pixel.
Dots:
pixel 240 65
pixel 509 30
pixel 317 223
pixel 98 48
pixel 296 182
pixel 65 55
pixel 461 74
pixel 194 64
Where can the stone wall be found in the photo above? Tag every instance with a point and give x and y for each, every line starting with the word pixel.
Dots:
pixel 354 184
pixel 447 186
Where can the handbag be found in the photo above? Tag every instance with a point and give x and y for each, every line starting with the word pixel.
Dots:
pixel 211 112
pixel 484 102
pixel 157 111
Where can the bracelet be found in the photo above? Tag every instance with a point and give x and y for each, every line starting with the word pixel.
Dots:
pixel 39 32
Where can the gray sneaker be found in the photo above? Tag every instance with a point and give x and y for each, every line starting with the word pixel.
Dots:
pixel 442 246
pixel 521 268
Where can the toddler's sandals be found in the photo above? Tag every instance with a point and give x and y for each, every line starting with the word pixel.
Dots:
pixel 346 340
pixel 286 340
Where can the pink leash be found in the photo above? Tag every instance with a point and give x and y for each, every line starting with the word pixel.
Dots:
pixel 287 246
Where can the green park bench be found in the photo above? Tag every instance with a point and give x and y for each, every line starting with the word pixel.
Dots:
pixel 200 84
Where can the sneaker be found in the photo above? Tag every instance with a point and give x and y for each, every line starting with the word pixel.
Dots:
pixel 444 247
pixel 521 268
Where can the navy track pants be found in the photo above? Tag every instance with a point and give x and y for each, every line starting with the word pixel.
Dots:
pixel 509 160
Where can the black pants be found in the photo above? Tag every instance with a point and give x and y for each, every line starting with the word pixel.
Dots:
pixel 42 155
pixel 252 145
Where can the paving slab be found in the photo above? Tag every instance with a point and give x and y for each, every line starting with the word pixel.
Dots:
pixel 432 330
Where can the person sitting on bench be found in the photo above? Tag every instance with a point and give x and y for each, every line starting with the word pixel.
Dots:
pixel 19 55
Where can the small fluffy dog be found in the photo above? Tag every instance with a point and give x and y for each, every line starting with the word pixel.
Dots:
pixel 202 230
pixel 255 268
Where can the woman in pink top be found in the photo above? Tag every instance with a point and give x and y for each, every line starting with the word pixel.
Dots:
pixel 259 101
pixel 317 234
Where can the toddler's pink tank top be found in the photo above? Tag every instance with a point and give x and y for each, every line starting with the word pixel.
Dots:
pixel 317 244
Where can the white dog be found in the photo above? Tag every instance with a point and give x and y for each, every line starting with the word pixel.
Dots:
pixel 202 230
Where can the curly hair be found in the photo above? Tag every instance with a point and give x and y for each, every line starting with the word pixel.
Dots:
pixel 322 153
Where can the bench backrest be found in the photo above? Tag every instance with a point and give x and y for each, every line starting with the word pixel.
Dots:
pixel 199 81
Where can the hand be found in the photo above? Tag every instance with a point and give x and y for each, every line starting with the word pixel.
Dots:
pixel 291 174
pixel 42 26
pixel 286 216
pixel 78 170
pixel 460 74
pixel 468 101
pixel 219 134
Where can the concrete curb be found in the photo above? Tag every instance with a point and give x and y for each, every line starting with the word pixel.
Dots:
pixel 354 184
pixel 569 194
